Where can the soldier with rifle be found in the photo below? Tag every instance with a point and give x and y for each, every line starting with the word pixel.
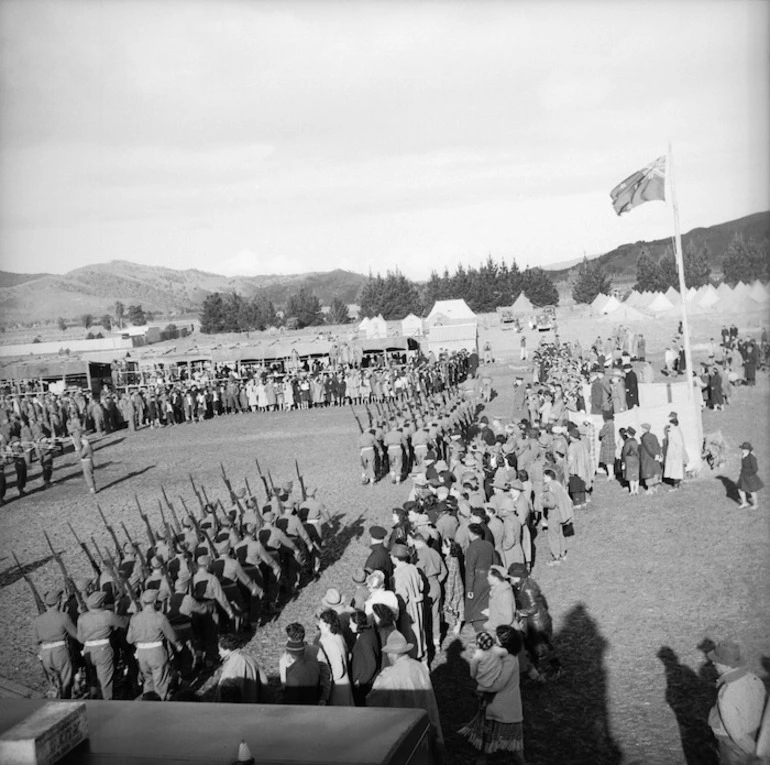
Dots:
pixel 94 631
pixel 147 632
pixel 395 442
pixel 52 630
pixel 367 443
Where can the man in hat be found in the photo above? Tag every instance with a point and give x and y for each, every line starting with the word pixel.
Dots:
pixel 51 630
pixel 556 500
pixel 379 558
pixel 95 628
pixel 735 718
pixel 361 591
pixel 749 483
pixel 676 454
pixel 406 684
pixel 632 387
pixel 305 680
pixel 146 633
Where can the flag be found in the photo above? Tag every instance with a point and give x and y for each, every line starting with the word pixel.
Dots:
pixel 643 186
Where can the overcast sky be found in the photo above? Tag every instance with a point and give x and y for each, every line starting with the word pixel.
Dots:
pixel 261 138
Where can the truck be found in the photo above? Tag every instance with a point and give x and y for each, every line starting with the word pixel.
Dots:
pixel 545 319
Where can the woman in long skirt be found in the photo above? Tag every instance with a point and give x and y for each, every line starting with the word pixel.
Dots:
pixel 607 447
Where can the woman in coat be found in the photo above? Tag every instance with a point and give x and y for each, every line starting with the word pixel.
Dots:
pixel 649 459
pixel 676 457
pixel 748 481
pixel 502 604
pixel 607 447
pixel 629 456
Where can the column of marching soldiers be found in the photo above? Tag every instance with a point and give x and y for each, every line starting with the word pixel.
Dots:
pixel 151 614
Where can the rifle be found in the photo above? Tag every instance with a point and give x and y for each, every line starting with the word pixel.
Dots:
pixel 126 590
pixel 369 415
pixel 264 480
pixel 358 422
pixel 205 497
pixel 139 556
pixel 272 485
pixel 150 534
pixel 301 481
pixel 248 488
pixel 177 525
pixel 227 483
pixel 111 531
pixel 85 549
pixel 35 594
pixel 198 496
pixel 163 521
pixel 69 585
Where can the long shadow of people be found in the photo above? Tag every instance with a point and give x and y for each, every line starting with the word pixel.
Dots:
pixel 690 698
pixel 568 721
pixel 731 489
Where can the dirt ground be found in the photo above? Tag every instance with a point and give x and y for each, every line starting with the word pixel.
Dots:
pixel 648 579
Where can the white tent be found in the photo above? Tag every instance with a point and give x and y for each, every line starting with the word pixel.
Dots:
pixel 659 303
pixel 378 327
pixel 646 298
pixel 724 290
pixel 758 292
pixel 446 312
pixel 633 298
pixel 708 297
pixel 673 296
pixel 624 312
pixel 411 326
pixel 522 304
pixel 692 293
pixel 610 305
pixel 364 325
pixel 598 303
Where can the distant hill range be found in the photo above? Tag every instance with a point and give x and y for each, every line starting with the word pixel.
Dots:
pixel 95 289
pixel 620 263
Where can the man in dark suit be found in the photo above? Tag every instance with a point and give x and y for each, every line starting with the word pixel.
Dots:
pixel 379 558
pixel 632 387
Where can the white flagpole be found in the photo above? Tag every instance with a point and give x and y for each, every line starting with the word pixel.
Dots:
pixel 695 405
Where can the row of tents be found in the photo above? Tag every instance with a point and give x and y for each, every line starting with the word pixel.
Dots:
pixel 705 299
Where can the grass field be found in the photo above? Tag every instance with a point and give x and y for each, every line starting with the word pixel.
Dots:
pixel 648 579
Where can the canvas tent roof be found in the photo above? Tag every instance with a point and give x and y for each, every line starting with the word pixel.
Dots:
pixel 708 297
pixel 634 298
pixel 758 292
pixel 451 312
pixel 411 325
pixel 522 304
pixel 724 290
pixel 673 296
pixel 598 302
pixel 610 305
pixel 624 312
pixel 659 303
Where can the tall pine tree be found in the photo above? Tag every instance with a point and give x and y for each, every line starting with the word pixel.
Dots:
pixel 591 281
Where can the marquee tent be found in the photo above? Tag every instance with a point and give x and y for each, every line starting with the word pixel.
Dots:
pixel 659 303
pixel 411 326
pixel 450 312
pixel 522 305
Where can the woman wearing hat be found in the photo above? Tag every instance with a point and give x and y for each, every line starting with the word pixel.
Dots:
pixel 629 456
pixel 675 453
pixel 607 445
pixel 649 459
pixel 748 481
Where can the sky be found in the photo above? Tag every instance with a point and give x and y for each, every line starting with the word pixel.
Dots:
pixel 273 138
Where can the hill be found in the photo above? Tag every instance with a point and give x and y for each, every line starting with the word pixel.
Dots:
pixel 620 263
pixel 95 289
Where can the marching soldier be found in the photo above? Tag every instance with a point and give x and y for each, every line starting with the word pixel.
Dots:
pixel 208 591
pixel 51 630
pixel 395 442
pixel 45 454
pixel 20 466
pixel 146 632
pixel 95 628
pixel 367 443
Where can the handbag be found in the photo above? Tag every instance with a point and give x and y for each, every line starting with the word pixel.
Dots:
pixel 568 529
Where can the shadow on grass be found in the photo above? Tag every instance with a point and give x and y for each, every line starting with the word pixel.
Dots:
pixel 690 696
pixel 731 488
pixel 13 574
pixel 126 477
pixel 565 721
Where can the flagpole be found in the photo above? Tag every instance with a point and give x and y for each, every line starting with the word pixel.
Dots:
pixel 683 293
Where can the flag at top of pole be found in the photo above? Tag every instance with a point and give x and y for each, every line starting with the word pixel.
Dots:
pixel 643 186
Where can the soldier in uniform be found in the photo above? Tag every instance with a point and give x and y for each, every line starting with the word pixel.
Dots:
pixel 51 629
pixel 395 442
pixel 367 443
pixel 95 628
pixel 86 453
pixel 146 632
pixel 208 591
pixel 45 454
pixel 20 466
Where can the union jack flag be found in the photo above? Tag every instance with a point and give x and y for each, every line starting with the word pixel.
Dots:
pixel 643 186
